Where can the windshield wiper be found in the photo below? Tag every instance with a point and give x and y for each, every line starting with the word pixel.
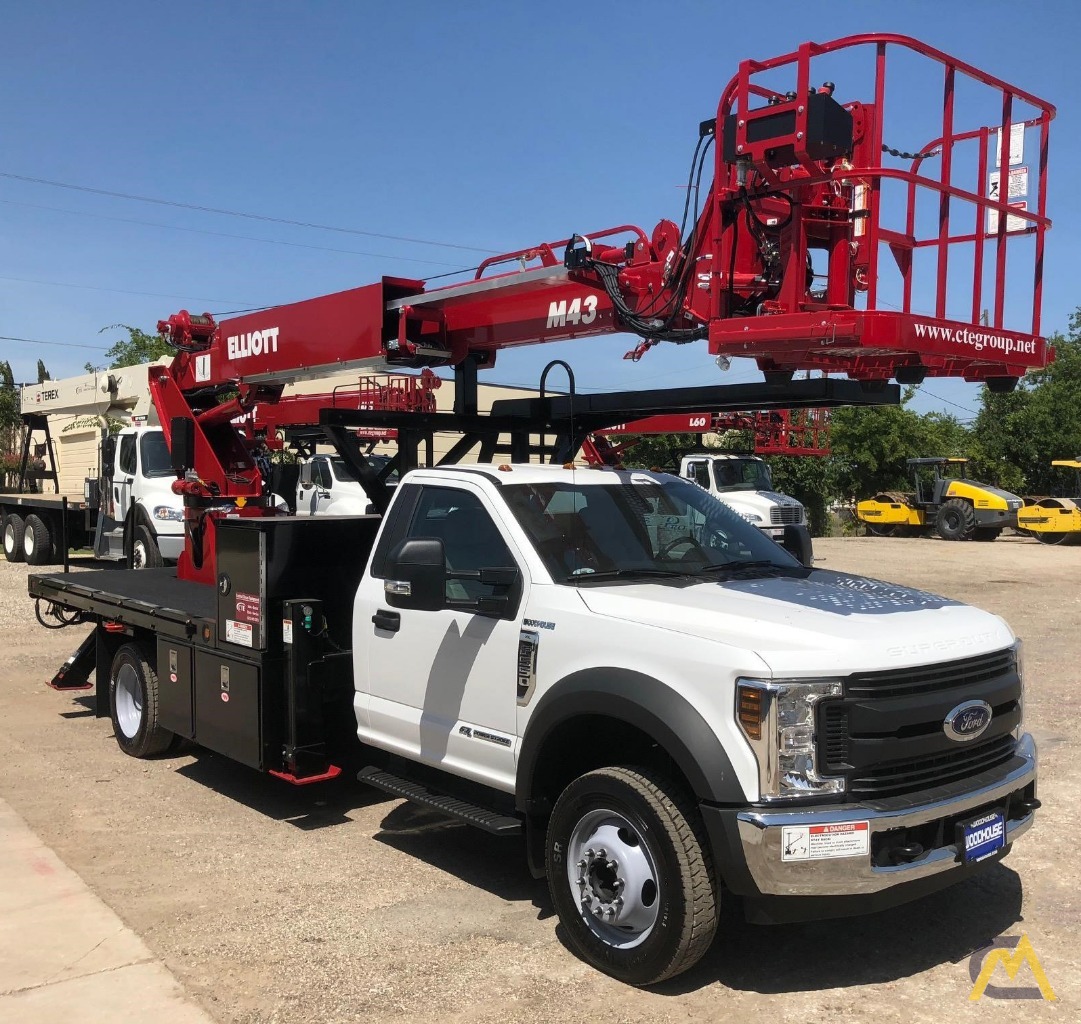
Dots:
pixel 735 565
pixel 613 574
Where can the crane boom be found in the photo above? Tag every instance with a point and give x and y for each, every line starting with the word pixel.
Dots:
pixel 780 262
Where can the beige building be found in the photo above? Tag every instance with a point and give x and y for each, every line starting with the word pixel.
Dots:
pixel 81 409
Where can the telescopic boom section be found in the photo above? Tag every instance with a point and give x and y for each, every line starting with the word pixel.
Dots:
pixel 779 260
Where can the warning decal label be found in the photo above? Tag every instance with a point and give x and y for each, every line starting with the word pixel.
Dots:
pixel 819 842
pixel 238 633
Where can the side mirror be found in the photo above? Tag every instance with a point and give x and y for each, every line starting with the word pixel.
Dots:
pixel 108 456
pixel 305 477
pixel 417 575
pixel 797 542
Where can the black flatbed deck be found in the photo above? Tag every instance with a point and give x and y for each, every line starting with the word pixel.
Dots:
pixel 152 598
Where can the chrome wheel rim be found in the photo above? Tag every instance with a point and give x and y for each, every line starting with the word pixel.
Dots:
pixel 129 705
pixel 138 555
pixel 613 878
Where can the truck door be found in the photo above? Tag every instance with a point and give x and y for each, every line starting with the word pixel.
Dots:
pixel 441 687
pixel 124 476
pixel 323 478
pixel 310 485
pixel 698 471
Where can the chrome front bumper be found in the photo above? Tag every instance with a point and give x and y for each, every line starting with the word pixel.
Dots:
pixel 760 832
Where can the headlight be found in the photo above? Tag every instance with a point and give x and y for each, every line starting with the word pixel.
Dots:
pixel 778 719
pixel 750 517
pixel 175 515
pixel 1019 661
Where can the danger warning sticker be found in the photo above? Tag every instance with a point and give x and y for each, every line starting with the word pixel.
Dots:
pixel 238 633
pixel 819 842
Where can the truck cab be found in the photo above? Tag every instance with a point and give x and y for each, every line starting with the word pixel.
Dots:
pixel 327 486
pixel 140 514
pixel 744 483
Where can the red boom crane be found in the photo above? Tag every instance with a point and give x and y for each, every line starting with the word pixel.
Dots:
pixel 775 432
pixel 797 176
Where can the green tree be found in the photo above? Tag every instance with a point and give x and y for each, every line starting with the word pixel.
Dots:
pixel 870 445
pixel 1017 435
pixel 659 451
pixel 810 480
pixel 43 374
pixel 137 347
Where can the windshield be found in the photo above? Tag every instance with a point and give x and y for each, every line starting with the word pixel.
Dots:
pixel 637 527
pixel 344 473
pixel 741 475
pixel 154 451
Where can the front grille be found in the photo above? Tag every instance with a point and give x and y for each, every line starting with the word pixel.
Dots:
pixel 905 682
pixel 885 736
pixel 779 515
pixel 894 779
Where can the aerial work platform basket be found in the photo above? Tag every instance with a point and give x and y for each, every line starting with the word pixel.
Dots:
pixel 913 246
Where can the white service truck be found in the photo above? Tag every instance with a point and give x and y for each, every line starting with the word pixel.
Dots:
pixel 614 664
pixel 110 492
pixel 744 483
pixel 327 486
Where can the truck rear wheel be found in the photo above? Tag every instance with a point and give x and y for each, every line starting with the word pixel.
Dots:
pixel 14 527
pixel 133 704
pixel 630 875
pixel 37 541
pixel 956 520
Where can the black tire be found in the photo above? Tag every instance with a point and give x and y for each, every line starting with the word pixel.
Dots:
pixel 649 821
pixel 37 541
pixel 1049 538
pixel 956 520
pixel 133 704
pixel 987 533
pixel 13 538
pixel 144 549
pixel 881 529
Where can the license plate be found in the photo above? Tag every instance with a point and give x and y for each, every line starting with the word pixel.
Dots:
pixel 983 836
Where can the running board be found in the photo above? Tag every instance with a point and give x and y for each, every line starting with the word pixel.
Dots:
pixel 415 792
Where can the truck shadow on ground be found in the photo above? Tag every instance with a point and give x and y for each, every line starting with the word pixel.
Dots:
pixel 496 864
pixel 309 807
pixel 947 927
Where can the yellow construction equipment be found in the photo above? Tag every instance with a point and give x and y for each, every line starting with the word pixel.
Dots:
pixel 945 500
pixel 1053 520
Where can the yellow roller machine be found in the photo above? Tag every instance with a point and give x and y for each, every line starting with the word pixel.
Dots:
pixel 945 500
pixel 1054 520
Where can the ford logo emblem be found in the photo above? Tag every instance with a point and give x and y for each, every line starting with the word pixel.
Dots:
pixel 968 721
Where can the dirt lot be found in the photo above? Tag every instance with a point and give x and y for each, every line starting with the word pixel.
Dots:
pixel 336 904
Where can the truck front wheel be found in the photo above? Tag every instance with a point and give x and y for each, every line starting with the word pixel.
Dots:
pixel 630 875
pixel 14 528
pixel 133 704
pixel 144 550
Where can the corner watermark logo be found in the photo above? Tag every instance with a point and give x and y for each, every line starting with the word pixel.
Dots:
pixel 984 962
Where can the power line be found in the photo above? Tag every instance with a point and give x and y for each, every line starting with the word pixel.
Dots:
pixel 59 344
pixel 939 398
pixel 119 291
pixel 225 234
pixel 266 218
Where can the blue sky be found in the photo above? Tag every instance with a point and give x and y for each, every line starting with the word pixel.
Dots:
pixel 486 125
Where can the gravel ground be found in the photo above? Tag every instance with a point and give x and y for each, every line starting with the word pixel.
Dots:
pixel 336 904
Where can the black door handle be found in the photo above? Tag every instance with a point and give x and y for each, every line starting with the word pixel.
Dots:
pixel 390 621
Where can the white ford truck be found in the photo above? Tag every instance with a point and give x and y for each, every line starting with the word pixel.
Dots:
pixel 744 482
pixel 615 664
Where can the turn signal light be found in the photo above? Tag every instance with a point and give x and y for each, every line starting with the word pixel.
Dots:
pixel 749 710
